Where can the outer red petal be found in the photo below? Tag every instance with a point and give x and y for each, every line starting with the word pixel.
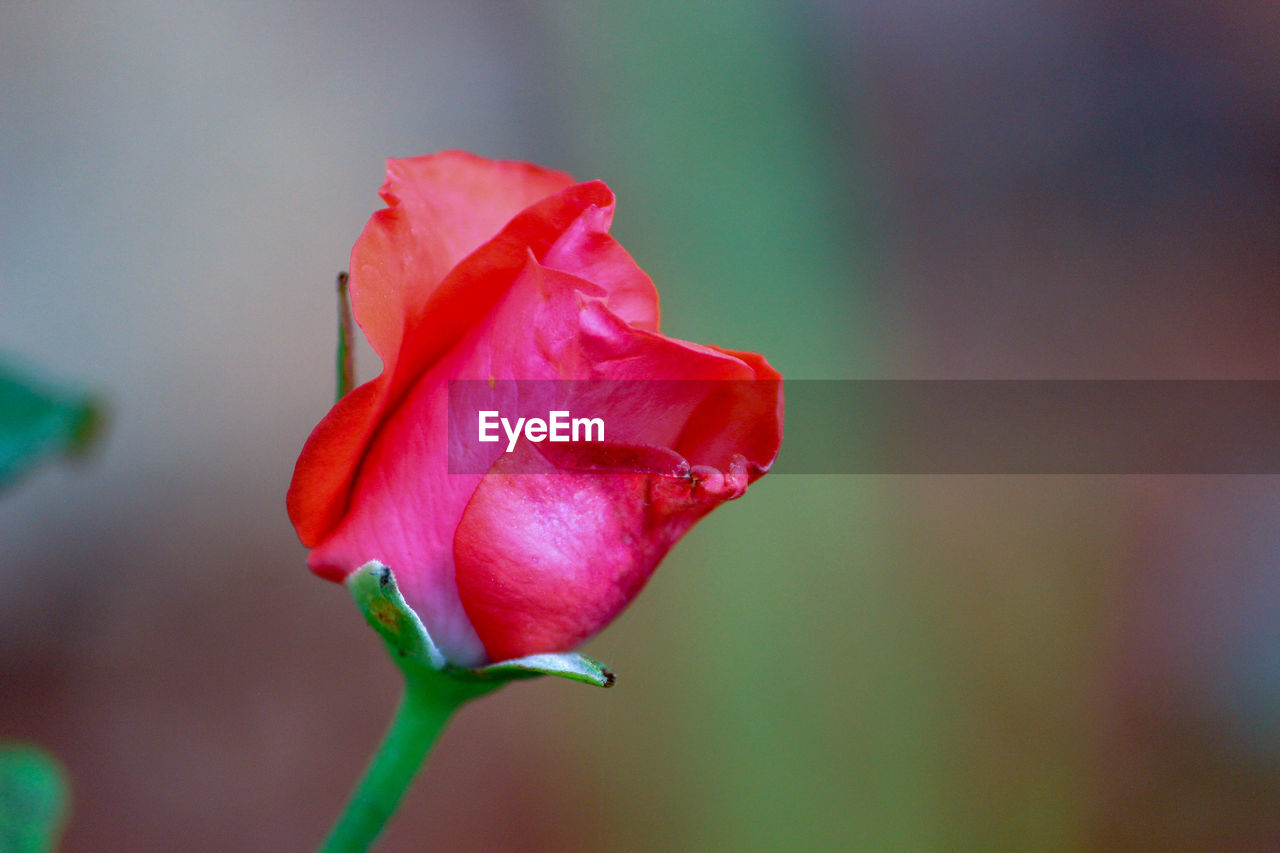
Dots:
pixel 546 560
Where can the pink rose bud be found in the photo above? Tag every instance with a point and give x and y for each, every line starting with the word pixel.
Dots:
pixel 499 271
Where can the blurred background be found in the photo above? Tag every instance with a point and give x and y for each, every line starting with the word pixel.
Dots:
pixel 993 189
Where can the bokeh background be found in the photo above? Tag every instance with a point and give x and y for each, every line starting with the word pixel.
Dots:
pixel 993 189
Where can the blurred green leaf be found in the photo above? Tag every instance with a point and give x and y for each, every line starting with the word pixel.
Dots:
pixel 37 421
pixel 33 800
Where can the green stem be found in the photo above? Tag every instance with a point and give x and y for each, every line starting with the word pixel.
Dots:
pixel 424 709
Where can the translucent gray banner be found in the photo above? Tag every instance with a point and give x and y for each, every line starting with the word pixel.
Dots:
pixel 912 426
pixel 1031 427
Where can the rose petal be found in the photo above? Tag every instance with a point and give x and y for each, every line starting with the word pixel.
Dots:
pixel 440 208
pixel 545 560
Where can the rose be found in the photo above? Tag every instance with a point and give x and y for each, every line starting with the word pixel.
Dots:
pixel 493 270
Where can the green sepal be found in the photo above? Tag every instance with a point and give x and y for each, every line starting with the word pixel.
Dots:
pixel 38 421
pixel 374 588
pixel 570 665
pixel 377 594
pixel 346 373
pixel 33 799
